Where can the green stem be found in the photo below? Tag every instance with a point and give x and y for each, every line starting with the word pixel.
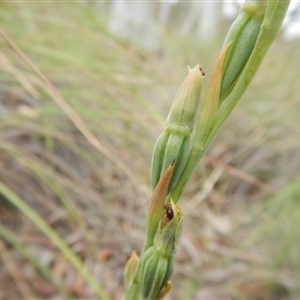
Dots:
pixel 269 30
pixel 274 15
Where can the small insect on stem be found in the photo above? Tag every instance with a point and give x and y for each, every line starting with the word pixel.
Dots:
pixel 168 216
pixel 169 211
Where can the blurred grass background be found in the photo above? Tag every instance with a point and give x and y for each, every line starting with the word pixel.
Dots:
pixel 241 235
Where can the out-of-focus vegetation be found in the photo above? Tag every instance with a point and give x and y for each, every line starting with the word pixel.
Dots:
pixel 240 237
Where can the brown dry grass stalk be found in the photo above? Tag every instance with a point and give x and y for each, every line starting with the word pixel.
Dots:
pixel 74 117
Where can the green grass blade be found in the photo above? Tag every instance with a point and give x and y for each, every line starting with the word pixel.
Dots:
pixel 10 238
pixel 56 240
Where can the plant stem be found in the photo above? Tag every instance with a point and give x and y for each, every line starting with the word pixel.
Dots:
pixel 274 15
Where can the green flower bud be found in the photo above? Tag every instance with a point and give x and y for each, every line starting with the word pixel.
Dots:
pixel 158 158
pixel 154 269
pixel 158 260
pixel 130 270
pixel 243 34
pixel 178 146
pixel 169 230
pixel 174 142
pixel 183 110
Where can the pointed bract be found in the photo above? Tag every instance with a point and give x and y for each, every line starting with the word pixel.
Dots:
pixel 156 205
pixel 130 270
pixel 210 103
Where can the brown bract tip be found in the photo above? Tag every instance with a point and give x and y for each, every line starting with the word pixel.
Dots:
pixel 128 255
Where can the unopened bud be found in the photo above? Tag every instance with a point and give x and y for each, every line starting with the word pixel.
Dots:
pixel 242 34
pixel 130 270
pixel 158 260
pixel 169 230
pixel 183 110
pixel 154 269
pixel 174 142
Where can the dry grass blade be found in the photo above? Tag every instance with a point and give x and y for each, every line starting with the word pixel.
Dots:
pixel 55 239
pixel 14 272
pixel 9 67
pixel 26 252
pixel 74 117
pixel 205 192
pixel 239 174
